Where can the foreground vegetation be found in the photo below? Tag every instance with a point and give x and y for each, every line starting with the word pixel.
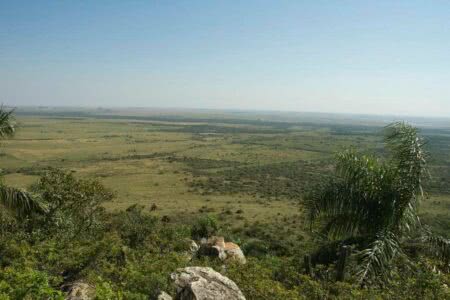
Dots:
pixel 169 182
pixel 129 255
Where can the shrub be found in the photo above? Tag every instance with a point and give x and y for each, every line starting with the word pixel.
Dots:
pixel 204 227
pixel 255 247
pixel 256 281
pixel 134 225
pixel 26 284
pixel 74 205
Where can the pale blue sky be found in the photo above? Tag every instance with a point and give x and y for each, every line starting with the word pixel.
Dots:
pixel 333 56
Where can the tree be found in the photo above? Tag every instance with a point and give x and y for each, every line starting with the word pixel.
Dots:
pixel 16 200
pixel 73 205
pixel 372 203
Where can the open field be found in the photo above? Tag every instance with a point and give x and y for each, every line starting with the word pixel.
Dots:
pixel 241 167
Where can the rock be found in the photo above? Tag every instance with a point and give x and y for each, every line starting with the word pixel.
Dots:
pixel 218 241
pixel 192 251
pixel 193 247
pixel 202 283
pixel 213 251
pixel 79 290
pixel 235 253
pixel 217 247
pixel 164 296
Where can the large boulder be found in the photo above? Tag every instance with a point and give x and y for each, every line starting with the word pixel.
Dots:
pixel 217 247
pixel 79 290
pixel 202 283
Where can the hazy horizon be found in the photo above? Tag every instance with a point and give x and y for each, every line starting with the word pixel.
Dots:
pixel 295 116
pixel 353 57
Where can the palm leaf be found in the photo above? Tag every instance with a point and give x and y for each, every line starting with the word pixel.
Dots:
pixel 438 246
pixel 6 123
pixel 358 200
pixel 407 154
pixel 19 201
pixel 376 259
pixel 409 161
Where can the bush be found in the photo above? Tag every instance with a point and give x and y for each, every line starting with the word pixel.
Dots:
pixel 256 281
pixel 74 205
pixel 26 284
pixel 134 225
pixel 204 227
pixel 255 247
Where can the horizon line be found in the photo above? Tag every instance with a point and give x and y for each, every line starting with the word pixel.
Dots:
pixel 233 110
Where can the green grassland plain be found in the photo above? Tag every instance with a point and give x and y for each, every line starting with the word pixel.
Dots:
pixel 245 168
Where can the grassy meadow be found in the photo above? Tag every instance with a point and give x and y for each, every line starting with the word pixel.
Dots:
pixel 244 169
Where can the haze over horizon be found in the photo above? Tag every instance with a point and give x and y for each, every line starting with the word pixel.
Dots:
pixel 359 57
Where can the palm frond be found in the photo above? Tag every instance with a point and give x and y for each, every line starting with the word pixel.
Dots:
pixel 407 153
pixel 409 161
pixel 376 259
pixel 358 200
pixel 6 123
pixel 438 246
pixel 342 225
pixel 340 207
pixel 19 201
pixel 410 220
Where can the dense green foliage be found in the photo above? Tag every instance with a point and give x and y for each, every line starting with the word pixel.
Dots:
pixel 130 255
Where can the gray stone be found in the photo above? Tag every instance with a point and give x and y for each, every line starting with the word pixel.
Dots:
pixel 79 290
pixel 235 254
pixel 192 251
pixel 193 247
pixel 202 283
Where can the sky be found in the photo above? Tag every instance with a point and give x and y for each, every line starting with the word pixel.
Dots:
pixel 371 57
